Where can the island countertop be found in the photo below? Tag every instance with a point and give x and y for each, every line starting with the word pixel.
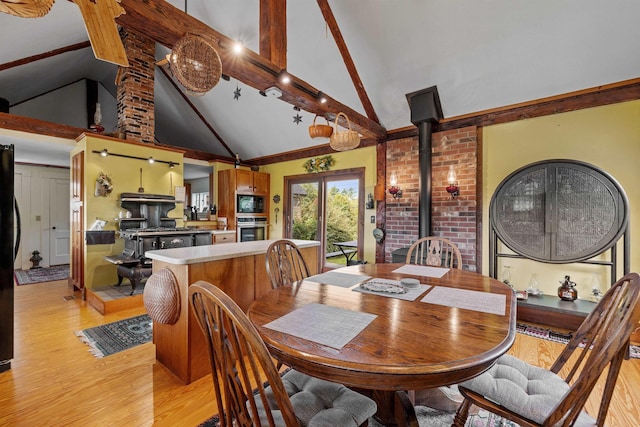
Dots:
pixel 198 254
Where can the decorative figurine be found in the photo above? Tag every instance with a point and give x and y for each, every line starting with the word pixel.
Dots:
pixel 567 290
pixel 35 259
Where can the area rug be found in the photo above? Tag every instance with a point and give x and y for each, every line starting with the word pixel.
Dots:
pixel 428 417
pixel 560 337
pixel 39 275
pixel 114 337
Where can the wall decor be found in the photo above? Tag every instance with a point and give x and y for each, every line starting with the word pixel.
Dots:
pixel 318 164
pixel 104 186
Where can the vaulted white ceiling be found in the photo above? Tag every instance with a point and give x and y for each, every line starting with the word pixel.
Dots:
pixel 480 55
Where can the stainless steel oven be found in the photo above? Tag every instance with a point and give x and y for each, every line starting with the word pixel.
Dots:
pixel 250 229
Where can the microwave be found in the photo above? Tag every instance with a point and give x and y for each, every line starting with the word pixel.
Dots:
pixel 250 204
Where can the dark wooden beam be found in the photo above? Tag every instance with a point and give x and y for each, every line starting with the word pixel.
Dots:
pixel 327 13
pixel 166 24
pixel 273 31
pixel 33 58
pixel 628 90
pixel 37 126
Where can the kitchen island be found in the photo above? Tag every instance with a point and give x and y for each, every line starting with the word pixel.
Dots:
pixel 236 268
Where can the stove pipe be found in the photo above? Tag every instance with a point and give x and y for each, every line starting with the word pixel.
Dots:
pixel 425 112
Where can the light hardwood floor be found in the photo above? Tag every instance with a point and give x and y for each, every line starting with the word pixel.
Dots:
pixel 55 381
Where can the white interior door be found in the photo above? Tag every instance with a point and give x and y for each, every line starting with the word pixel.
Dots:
pixel 59 235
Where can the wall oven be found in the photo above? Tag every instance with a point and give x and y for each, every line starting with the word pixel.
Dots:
pixel 250 229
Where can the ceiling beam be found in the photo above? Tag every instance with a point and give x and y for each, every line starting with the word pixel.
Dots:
pixel 49 54
pixel 166 24
pixel 273 31
pixel 330 19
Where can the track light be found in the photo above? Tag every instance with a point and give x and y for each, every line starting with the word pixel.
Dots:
pixel 225 77
pixel 150 160
pixel 105 153
pixel 322 98
pixel 238 47
pixel 284 77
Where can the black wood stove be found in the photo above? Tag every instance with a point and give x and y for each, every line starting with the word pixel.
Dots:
pixel 148 227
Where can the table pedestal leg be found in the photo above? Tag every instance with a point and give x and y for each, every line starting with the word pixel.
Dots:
pixel 394 408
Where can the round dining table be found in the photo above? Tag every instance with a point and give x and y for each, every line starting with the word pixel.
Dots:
pixel 454 329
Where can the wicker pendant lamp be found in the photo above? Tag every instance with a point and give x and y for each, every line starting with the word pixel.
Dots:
pixel 195 64
pixel 344 140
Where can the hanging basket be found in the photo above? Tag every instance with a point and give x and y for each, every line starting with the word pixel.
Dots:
pixel 344 140
pixel 195 64
pixel 320 131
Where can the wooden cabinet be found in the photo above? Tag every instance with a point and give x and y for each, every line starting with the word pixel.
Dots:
pixel 232 182
pixel 77 222
pixel 248 181
pixel 228 237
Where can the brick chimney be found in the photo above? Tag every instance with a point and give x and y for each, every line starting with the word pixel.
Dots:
pixel 134 96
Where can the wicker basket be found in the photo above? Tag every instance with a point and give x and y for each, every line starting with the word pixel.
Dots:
pixel 162 297
pixel 195 64
pixel 320 131
pixel 344 140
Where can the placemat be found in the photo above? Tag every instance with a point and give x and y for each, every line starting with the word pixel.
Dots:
pixel 471 300
pixel 323 324
pixel 344 280
pixel 422 270
pixel 411 295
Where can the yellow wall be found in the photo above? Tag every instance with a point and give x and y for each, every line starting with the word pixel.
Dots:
pixel 157 178
pixel 607 137
pixel 362 157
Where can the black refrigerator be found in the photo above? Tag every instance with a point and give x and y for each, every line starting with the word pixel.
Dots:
pixel 8 250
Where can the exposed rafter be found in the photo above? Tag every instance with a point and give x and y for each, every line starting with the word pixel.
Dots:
pixel 49 54
pixel 327 13
pixel 273 31
pixel 165 24
pixel 197 112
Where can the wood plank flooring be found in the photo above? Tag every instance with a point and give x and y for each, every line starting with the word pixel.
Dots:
pixel 55 381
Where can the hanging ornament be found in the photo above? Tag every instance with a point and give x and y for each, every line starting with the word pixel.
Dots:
pixel 297 119
pixel 236 93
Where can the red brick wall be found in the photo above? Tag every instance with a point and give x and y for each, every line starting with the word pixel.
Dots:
pixel 454 219
pixel 136 111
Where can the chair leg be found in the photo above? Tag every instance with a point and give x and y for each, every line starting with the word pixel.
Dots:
pixel 461 414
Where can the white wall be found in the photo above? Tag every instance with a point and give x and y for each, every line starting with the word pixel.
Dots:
pixel 32 194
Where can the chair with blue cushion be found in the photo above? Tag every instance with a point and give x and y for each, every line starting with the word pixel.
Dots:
pixel 533 396
pixel 249 391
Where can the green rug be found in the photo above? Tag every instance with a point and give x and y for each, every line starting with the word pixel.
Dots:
pixel 114 337
pixel 39 275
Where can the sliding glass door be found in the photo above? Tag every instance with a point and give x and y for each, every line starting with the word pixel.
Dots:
pixel 327 207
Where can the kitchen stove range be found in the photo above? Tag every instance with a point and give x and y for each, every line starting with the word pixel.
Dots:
pixel 155 230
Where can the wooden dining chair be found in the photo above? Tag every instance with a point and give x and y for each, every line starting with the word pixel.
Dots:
pixel 248 388
pixel 435 251
pixel 533 396
pixel 285 264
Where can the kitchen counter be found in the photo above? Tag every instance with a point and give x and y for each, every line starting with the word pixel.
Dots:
pixel 198 254
pixel 238 269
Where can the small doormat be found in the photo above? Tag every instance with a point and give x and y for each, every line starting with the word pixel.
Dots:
pixel 114 337
pixel 39 275
pixel 560 337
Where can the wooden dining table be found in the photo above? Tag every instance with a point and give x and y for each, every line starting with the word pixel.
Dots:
pixel 449 329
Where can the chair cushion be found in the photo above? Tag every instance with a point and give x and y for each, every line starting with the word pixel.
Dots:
pixel 528 390
pixel 319 403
